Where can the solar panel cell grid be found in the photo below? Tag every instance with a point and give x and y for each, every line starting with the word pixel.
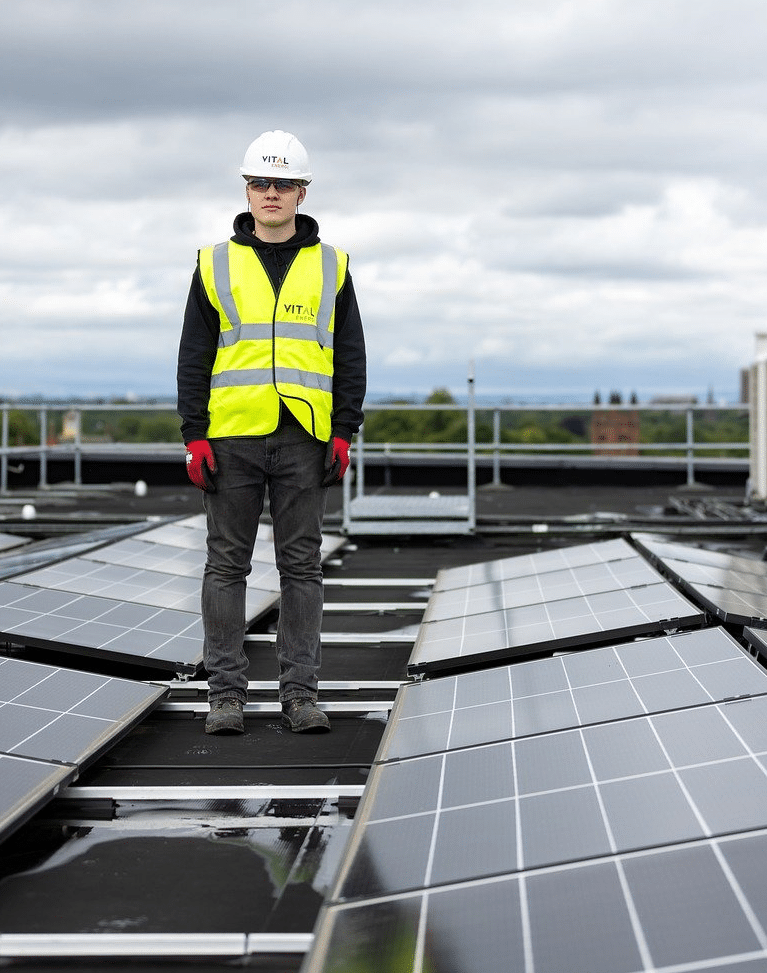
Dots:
pixel 535 588
pixel 104 626
pixel 64 714
pixel 561 797
pixel 529 564
pixel 441 645
pixel 615 682
pixel 737 607
pixel 59 715
pixel 661 551
pixel 632 913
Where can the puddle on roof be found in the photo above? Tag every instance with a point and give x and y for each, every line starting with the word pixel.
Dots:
pixel 186 879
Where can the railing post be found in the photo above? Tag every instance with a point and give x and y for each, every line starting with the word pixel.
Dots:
pixel 361 462
pixel 496 447
pixel 78 448
pixel 4 456
pixel 471 427
pixel 346 497
pixel 690 449
pixel 43 479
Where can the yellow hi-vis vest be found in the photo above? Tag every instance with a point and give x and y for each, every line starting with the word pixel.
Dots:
pixel 272 347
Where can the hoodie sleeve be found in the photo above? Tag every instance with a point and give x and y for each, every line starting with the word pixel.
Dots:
pixel 196 355
pixel 349 364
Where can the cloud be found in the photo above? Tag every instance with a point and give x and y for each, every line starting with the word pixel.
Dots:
pixel 558 189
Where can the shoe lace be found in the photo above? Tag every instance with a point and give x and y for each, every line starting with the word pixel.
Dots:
pixel 226 701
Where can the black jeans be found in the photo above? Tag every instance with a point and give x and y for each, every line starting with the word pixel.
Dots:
pixel 291 462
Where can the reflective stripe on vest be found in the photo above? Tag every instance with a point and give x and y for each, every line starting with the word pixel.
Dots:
pixel 272 348
pixel 263 376
pixel 252 332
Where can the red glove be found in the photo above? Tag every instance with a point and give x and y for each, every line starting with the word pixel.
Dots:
pixel 200 464
pixel 336 461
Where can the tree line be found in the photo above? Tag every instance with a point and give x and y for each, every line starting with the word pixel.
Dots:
pixel 404 424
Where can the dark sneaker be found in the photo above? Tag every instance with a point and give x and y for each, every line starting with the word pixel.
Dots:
pixel 225 716
pixel 302 716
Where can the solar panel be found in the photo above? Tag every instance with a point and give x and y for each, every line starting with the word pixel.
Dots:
pixel 523 565
pixel 54 721
pixel 156 557
pixel 731 588
pixel 732 607
pixel 27 785
pixel 558 797
pixel 700 906
pixel 144 586
pixel 101 627
pixel 175 559
pixel 8 541
pixel 178 534
pixel 662 551
pixel 576 689
pixel 192 532
pixel 65 715
pixel 554 585
pixel 122 583
pixel 688 572
pixel 453 643
pixel 757 640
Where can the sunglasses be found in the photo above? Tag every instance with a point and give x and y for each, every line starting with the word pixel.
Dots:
pixel 261 184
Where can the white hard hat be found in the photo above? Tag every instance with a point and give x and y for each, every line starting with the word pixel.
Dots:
pixel 277 154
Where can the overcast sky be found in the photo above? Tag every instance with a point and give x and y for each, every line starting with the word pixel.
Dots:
pixel 570 193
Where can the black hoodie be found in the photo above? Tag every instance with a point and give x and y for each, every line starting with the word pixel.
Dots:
pixel 199 337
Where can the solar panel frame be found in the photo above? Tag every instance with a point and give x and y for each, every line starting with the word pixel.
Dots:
pixel 9 541
pixel 101 627
pixel 27 786
pixel 756 639
pixel 732 607
pixel 569 690
pixel 453 644
pixel 66 715
pixel 54 722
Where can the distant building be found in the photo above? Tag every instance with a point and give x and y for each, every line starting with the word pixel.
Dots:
pixel 614 428
pixel 71 430
pixel 71 426
pixel 674 400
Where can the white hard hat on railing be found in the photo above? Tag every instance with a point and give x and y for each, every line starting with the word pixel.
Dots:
pixel 278 154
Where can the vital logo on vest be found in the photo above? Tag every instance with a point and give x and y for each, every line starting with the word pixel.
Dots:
pixel 301 312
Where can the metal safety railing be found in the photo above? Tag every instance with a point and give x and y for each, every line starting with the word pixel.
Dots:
pixel 62 438
pixel 493 447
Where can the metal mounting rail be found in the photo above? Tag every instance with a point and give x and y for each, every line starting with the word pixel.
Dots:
pixel 378 582
pixel 342 638
pixel 197 792
pixel 269 685
pixel 333 706
pixel 20 945
pixel 380 607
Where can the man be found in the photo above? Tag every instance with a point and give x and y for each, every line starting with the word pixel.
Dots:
pixel 271 381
